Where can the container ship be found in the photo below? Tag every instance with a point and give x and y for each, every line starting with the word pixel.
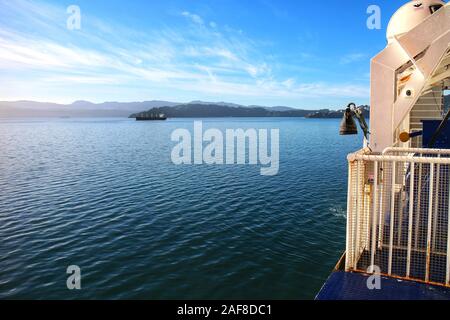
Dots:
pixel 398 222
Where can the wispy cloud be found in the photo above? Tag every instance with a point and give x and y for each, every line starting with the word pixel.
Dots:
pixel 193 17
pixel 353 57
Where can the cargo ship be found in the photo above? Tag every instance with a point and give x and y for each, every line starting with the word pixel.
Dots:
pixel 398 221
pixel 151 117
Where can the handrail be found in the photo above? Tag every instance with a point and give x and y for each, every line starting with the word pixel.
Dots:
pixel 410 159
pixel 416 150
pixel 414 155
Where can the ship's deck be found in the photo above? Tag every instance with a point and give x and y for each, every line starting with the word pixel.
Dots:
pixel 353 286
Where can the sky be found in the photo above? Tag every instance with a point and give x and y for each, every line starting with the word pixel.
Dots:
pixel 297 53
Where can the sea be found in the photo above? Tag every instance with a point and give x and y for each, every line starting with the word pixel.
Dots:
pixel 104 195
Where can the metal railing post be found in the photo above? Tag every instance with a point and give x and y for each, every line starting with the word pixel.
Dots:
pixel 447 277
pixel 430 220
pixel 419 206
pixel 374 217
pixel 436 205
pixel 410 219
pixel 392 221
pixel 356 244
pixel 348 256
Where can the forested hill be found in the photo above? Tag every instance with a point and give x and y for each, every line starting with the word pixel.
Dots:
pixel 222 111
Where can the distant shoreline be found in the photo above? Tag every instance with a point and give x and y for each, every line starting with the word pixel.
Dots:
pixel 226 111
pixel 44 118
pixel 197 109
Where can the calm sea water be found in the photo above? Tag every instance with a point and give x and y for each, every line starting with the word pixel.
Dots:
pixel 103 194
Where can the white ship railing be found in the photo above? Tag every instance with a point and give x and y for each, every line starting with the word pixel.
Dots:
pixel 398 214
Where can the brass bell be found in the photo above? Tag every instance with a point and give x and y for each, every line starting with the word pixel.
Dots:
pixel 348 124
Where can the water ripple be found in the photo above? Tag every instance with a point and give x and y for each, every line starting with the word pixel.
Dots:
pixel 103 194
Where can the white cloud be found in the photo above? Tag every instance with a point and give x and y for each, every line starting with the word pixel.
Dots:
pixel 353 57
pixel 257 71
pixel 193 17
pixel 289 83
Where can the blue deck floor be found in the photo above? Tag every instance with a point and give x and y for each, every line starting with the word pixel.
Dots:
pixel 353 286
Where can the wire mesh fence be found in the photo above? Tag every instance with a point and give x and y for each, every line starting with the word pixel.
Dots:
pixel 398 214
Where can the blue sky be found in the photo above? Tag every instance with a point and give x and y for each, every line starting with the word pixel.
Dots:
pixel 305 54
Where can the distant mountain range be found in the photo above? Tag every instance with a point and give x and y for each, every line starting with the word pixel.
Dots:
pixel 76 109
pixel 197 110
pixel 193 109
